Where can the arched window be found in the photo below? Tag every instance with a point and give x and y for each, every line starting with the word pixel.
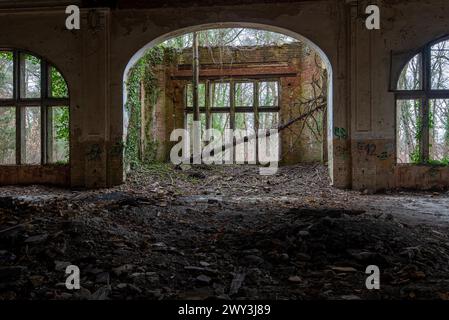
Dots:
pixel 34 112
pixel 422 107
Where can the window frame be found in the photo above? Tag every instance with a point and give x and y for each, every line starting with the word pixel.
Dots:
pixel 45 102
pixel 425 95
pixel 233 108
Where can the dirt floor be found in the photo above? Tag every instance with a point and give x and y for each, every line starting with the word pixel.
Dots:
pixel 223 233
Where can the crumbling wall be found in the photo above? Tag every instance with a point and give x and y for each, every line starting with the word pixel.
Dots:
pixel 299 143
pixel 361 112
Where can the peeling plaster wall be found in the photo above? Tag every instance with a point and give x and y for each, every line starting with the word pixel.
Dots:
pixel 135 30
pixel 94 59
pixel 406 26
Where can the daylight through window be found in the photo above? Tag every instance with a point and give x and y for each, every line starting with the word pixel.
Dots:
pixel 422 107
pixel 34 112
pixel 253 105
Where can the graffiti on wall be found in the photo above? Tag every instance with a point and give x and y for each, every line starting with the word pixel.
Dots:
pixel 341 133
pixel 370 149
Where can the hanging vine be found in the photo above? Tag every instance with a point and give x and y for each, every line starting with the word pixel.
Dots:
pixel 143 72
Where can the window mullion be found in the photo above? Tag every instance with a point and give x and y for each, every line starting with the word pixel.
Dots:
pixel 256 115
pixel 232 103
pixel 425 131
pixel 207 104
pixel 44 96
pixel 427 83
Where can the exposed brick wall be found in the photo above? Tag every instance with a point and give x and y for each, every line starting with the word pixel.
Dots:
pixel 298 142
pixel 289 53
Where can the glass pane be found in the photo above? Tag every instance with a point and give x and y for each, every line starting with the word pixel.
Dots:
pixel 201 95
pixel 59 132
pixel 244 94
pixel 31 148
pixel 221 95
pixel 268 120
pixel 58 86
pixel 245 122
pixel 411 75
pixel 268 94
pixel 7 135
pixel 439 130
pixel 220 121
pixel 408 131
pixel 440 66
pixel 30 76
pixel 6 75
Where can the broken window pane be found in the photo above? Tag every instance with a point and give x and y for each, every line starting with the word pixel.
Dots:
pixel 411 75
pixel 408 131
pixel 58 134
pixel 30 76
pixel 244 94
pixel 201 95
pixel 7 135
pixel 221 95
pixel 268 94
pixel 31 145
pixel 439 71
pixel 268 120
pixel 439 130
pixel 58 86
pixel 6 75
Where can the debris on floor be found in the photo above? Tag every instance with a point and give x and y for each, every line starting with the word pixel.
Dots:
pixel 227 234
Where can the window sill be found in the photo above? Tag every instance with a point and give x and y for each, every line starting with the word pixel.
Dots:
pixel 424 165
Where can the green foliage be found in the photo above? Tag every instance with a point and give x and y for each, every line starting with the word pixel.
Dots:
pixel 58 85
pixel 61 118
pixel 442 162
pixel 61 123
pixel 143 71
pixel 6 74
pixel 415 156
pixel 7 135
pixel 61 115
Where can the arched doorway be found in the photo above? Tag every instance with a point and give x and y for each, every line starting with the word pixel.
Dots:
pixel 329 114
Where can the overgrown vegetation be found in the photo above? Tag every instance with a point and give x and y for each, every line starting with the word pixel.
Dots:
pixel 411 112
pixel 31 88
pixel 61 116
pixel 142 148
pixel 143 72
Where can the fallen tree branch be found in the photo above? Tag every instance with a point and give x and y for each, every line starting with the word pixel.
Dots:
pixel 267 133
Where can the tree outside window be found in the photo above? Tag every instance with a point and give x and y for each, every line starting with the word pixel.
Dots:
pixel 422 107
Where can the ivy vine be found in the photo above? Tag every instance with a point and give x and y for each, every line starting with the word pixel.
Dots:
pixel 143 72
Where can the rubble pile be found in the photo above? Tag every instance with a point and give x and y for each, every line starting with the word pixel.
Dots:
pixel 226 234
